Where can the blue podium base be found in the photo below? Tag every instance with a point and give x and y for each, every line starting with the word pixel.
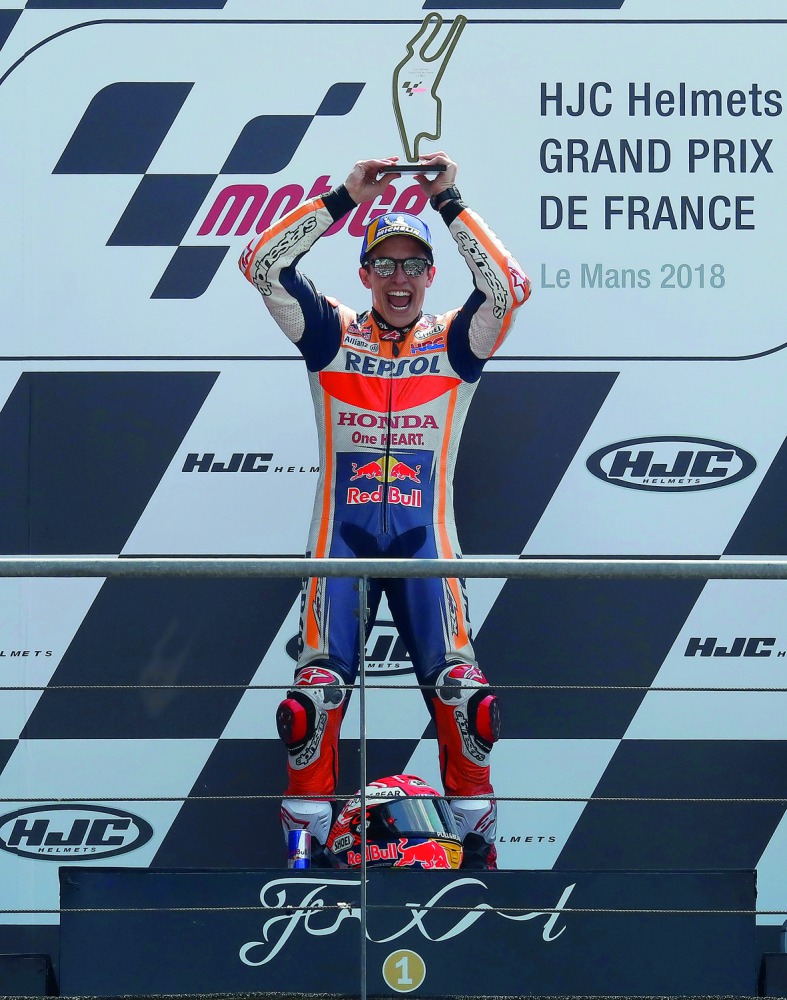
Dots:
pixel 26 975
pixel 429 933
pixel 773 975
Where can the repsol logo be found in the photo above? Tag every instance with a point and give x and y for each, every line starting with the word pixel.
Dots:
pixel 740 646
pixel 671 464
pixel 58 832
pixel 382 368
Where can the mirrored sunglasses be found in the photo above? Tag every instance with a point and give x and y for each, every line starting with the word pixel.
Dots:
pixel 413 267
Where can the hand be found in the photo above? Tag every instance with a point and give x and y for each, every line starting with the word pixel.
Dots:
pixel 363 183
pixel 445 179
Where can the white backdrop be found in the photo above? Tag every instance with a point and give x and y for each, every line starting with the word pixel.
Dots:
pixel 687 322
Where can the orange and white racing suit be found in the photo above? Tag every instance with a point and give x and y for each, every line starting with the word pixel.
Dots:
pixel 390 405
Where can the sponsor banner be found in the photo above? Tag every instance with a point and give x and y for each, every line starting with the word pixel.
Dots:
pixel 679 479
pixel 150 406
pixel 38 619
pixel 32 837
pixel 671 464
pixel 490 916
pixel 62 833
pixel 531 833
pixel 654 200
pixel 733 639
pixel 246 470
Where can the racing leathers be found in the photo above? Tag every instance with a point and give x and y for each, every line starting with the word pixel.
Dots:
pixel 390 405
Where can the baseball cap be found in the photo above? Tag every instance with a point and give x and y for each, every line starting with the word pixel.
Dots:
pixel 396 224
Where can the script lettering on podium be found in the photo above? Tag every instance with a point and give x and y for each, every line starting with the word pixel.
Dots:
pixel 306 903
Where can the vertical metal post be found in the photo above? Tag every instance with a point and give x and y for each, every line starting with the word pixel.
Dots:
pixel 362 606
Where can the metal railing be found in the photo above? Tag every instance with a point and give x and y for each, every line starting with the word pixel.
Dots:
pixel 470 568
pixel 364 569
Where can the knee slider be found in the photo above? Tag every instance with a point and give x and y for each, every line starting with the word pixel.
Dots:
pixel 295 719
pixel 303 717
pixel 484 713
pixel 464 690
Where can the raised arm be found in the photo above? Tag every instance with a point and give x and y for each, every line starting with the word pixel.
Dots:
pixel 270 261
pixel 501 284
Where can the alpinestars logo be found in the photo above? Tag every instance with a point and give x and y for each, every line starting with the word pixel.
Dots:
pixel 122 130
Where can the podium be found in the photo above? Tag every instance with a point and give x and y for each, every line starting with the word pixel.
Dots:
pixel 773 975
pixel 26 975
pixel 430 933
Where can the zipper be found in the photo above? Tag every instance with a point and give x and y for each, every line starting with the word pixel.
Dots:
pixel 386 484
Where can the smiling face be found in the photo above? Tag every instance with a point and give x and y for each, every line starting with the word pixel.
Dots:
pixel 399 298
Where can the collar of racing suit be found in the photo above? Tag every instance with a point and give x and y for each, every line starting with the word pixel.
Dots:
pixel 388 332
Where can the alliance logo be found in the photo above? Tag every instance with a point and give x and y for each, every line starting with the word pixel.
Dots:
pixel 671 464
pixel 64 832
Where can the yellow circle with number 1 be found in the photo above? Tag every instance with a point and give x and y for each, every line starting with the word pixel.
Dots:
pixel 404 970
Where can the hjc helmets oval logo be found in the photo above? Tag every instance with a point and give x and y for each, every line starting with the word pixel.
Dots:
pixel 671 464
pixel 66 832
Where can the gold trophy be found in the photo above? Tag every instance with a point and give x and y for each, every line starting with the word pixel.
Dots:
pixel 417 106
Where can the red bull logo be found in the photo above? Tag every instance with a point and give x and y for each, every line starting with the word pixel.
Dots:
pixel 404 853
pixel 400 470
pixel 395 496
pixel 374 852
pixel 372 470
pixel 386 469
pixel 428 854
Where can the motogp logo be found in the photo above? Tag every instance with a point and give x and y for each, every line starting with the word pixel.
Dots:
pixel 123 129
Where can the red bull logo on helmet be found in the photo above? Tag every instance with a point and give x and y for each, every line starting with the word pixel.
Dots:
pixel 380 853
pixel 428 854
pixel 406 853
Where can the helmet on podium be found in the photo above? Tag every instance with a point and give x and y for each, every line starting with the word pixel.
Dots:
pixel 409 824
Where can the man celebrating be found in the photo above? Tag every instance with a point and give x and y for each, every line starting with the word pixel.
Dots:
pixel 389 492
